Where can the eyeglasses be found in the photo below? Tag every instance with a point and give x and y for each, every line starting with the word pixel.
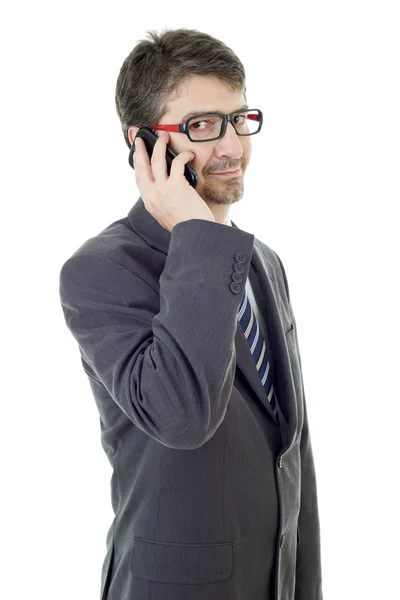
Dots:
pixel 212 126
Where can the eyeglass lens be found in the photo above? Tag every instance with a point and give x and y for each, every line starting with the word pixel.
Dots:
pixel 208 127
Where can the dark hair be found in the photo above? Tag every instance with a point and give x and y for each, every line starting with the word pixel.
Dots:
pixel 157 66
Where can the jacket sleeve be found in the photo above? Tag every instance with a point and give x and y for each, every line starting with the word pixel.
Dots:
pixel 308 563
pixel 165 353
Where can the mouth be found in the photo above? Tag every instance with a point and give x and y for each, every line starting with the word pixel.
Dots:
pixel 228 173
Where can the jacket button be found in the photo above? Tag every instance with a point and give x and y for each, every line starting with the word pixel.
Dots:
pixel 235 287
pixel 237 277
pixel 280 463
pixel 238 267
pixel 240 257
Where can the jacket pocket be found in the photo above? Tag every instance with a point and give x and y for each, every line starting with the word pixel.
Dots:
pixel 166 562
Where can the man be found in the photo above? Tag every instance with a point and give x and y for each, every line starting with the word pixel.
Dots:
pixel 186 332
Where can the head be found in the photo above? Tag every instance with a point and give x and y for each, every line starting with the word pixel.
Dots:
pixel 183 71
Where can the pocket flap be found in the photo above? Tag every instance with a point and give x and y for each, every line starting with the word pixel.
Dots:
pixel 180 563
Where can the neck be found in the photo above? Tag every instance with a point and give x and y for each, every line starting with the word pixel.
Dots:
pixel 220 212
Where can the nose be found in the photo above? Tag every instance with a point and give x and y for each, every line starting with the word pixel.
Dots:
pixel 229 144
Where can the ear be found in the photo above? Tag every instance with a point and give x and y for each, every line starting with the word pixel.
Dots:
pixel 132 131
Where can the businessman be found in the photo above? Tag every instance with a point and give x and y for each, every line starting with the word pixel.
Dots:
pixel 187 335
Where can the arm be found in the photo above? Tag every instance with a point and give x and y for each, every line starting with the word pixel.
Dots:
pixel 308 565
pixel 166 356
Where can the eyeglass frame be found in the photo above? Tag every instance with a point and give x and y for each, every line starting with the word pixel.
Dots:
pixel 183 127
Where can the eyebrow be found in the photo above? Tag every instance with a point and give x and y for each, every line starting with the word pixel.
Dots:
pixel 197 113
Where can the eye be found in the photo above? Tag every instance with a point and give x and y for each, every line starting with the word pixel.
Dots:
pixel 239 119
pixel 202 124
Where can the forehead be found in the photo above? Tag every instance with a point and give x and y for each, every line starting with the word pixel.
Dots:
pixel 202 94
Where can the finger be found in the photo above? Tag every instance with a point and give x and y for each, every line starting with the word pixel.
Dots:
pixel 158 159
pixel 142 164
pixel 178 165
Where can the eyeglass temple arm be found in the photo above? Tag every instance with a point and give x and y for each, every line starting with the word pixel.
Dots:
pixel 254 117
pixel 174 128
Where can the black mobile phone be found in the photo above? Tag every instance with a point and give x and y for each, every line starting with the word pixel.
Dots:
pixel 150 139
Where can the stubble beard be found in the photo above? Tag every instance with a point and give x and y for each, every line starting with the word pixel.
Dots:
pixel 224 192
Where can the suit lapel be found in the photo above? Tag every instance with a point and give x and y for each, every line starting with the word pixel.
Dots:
pixel 262 280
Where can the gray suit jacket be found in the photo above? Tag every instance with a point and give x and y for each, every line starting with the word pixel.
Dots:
pixel 213 499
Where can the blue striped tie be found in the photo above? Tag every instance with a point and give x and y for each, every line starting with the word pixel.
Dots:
pixel 252 332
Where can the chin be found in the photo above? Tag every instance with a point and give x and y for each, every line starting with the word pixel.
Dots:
pixel 225 197
pixel 226 191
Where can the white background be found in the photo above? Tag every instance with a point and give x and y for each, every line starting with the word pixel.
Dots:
pixel 322 190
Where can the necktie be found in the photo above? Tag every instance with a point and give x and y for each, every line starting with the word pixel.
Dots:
pixel 252 332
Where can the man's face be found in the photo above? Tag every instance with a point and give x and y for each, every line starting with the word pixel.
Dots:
pixel 231 152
